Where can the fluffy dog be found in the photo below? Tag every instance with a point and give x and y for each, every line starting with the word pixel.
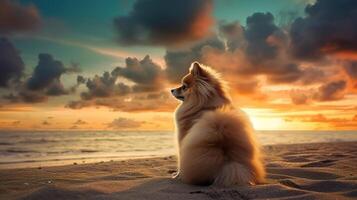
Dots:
pixel 216 143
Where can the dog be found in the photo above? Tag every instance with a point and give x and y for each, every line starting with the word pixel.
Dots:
pixel 216 142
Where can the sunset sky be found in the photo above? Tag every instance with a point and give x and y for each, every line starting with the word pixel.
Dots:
pixel 109 65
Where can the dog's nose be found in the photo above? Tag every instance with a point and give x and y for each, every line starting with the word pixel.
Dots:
pixel 172 91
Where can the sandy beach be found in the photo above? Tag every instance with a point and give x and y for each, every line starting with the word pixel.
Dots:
pixel 301 171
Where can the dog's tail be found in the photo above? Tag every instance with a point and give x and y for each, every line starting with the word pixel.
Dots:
pixel 233 173
pixel 235 138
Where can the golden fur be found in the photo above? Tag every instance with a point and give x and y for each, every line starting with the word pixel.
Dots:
pixel 216 143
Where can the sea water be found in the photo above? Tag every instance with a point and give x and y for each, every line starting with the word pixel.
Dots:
pixel 41 148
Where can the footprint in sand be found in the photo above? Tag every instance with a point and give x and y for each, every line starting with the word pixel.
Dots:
pixel 351 194
pixel 126 176
pixel 321 163
pixel 330 186
pixel 296 159
pixel 303 173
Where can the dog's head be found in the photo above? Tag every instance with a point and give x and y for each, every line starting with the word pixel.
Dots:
pixel 202 85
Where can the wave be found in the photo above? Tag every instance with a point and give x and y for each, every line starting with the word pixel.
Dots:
pixel 88 151
pixel 20 151
pixel 38 141
pixel 6 143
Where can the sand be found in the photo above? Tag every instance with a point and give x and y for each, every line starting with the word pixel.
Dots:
pixel 300 171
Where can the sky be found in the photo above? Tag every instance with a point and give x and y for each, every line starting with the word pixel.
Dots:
pixel 109 65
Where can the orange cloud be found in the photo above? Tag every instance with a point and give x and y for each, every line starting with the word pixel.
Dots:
pixel 16 18
pixel 333 122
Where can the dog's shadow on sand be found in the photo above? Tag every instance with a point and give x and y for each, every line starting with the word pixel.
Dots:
pixel 156 189
pixel 280 187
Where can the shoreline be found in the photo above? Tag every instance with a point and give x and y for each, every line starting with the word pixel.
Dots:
pixel 298 171
pixel 92 160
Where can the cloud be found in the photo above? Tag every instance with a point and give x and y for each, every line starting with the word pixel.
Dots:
pixel 260 26
pixel 299 98
pixel 135 102
pixel 335 122
pixel 26 96
pixel 45 81
pixel 144 73
pixel 73 127
pixel 46 123
pixel 79 122
pixel 78 104
pixel 233 33
pixel 351 69
pixel 329 27
pixel 144 93
pixel 354 118
pixel 11 64
pixel 16 123
pixel 103 86
pixel 161 22
pixel 179 61
pixel 81 79
pixel 124 123
pixel 245 52
pixel 46 73
pixel 17 18
pixel 331 91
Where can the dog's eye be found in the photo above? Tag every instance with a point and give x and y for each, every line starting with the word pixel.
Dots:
pixel 184 87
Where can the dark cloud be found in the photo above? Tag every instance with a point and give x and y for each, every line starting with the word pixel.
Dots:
pixel 56 88
pixel 245 53
pixel 161 22
pixel 107 90
pixel 78 104
pixel 246 86
pixel 233 33
pixel 335 122
pixel 178 62
pixel 280 73
pixel 46 76
pixel 329 27
pixel 26 96
pixel 11 64
pixel 124 123
pixel 134 102
pixel 46 72
pixel 74 68
pixel 104 86
pixel 160 95
pixel 312 75
pixel 16 123
pixel 45 81
pixel 144 73
pixel 17 18
pixel 351 69
pixel 285 73
pixel 46 123
pixel 298 98
pixel 81 79
pixel 331 91
pixel 260 26
pixel 79 122
pixel 73 127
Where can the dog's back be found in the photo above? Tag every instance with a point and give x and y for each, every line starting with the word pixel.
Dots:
pixel 220 148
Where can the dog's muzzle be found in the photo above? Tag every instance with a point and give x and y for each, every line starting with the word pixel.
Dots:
pixel 174 92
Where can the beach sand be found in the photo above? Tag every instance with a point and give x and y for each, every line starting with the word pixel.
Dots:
pixel 300 171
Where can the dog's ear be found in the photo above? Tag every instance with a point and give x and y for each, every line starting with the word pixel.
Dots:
pixel 196 69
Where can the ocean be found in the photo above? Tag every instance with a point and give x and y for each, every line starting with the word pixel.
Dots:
pixel 53 148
